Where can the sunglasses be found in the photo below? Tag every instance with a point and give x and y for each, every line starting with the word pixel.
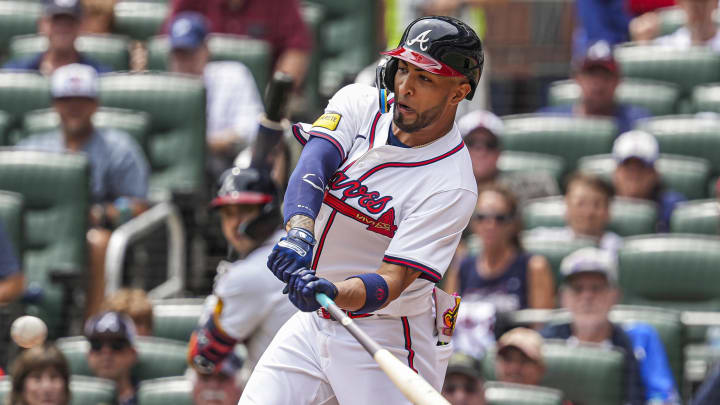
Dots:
pixel 499 218
pixel 115 344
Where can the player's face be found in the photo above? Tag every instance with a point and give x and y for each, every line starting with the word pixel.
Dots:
pixel 587 210
pixel 44 387
pixel 75 114
pixel 492 221
pixel 484 153
pixel 111 358
pixel 215 390
pixel 62 30
pixel 233 217
pixel 597 86
pixel 515 367
pixel 589 297
pixel 633 178
pixel 461 389
pixel 189 61
pixel 421 98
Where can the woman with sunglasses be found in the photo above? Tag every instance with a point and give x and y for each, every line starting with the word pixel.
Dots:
pixel 40 376
pixel 501 277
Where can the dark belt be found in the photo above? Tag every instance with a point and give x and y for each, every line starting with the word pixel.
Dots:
pixel 322 313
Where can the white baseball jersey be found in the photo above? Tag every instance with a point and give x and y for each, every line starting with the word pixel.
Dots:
pixel 405 206
pixel 253 306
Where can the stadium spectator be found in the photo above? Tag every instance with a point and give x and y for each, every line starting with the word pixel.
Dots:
pixel 61 23
pixel 709 392
pixel 636 176
pixel 700 29
pixel 40 376
pixel 498 279
pixel 519 357
pixel 598 75
pixel 482 133
pixel 221 388
pixel 98 17
pixel 134 303
pixel 233 102
pixel 463 381
pixel 587 214
pixel 278 22
pixel 599 20
pixel 588 292
pixel 112 353
pixel 118 169
pixel 11 277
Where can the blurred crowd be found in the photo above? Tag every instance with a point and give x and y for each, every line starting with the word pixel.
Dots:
pixel 542 268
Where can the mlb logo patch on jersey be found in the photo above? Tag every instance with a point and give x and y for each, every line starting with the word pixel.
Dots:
pixel 328 121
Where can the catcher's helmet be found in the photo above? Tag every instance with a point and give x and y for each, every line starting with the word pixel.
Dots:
pixel 441 45
pixel 251 186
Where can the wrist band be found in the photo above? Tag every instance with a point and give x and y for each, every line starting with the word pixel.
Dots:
pixel 376 292
pixel 302 234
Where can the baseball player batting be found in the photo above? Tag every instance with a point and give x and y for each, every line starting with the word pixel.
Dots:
pixel 373 212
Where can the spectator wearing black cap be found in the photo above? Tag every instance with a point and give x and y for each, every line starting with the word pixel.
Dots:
pixel 221 388
pixel 463 381
pixel 112 353
pixel 598 75
pixel 61 23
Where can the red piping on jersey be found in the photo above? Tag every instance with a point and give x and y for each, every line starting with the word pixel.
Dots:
pixel 385 225
pixel 408 343
pixel 413 164
pixel 296 133
pixel 332 140
pixel 321 242
pixel 427 272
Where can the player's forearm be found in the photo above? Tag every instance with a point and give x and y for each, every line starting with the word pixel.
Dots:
pixel 352 293
pixel 11 287
pixel 301 221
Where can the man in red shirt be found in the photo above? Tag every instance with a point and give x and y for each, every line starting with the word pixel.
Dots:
pixel 277 22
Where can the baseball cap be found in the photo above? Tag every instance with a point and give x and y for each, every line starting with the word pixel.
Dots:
pixel 636 144
pixel 188 31
pixel 590 260
pixel 461 363
pixel 111 324
pixel 74 80
pixel 480 119
pixel 526 340
pixel 599 54
pixel 65 7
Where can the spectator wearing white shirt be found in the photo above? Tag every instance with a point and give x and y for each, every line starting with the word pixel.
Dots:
pixel 233 101
pixel 700 28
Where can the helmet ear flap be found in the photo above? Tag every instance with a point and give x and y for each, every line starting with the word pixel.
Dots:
pixel 384 78
pixel 389 77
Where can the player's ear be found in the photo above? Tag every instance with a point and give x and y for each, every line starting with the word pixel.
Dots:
pixel 461 90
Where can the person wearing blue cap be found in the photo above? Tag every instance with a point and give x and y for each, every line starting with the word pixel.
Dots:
pixel 61 23
pixel 233 101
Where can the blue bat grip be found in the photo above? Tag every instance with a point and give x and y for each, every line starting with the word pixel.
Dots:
pixel 323 300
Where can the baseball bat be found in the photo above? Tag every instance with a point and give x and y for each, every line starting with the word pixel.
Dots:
pixel 414 387
pixel 270 129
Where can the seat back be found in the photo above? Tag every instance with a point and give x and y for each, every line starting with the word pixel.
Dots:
pixel 157 357
pixel 110 50
pixel 685 174
pixel 627 216
pixel 139 20
pixel 5 121
pixel 55 188
pixel 660 98
pixel 502 393
pixel 699 216
pixel 513 162
pixel 176 318
pixel 165 391
pixel 706 98
pixel 84 390
pixel 21 92
pixel 175 144
pixel 18 17
pixel 553 250
pixel 542 133
pixel 254 53
pixel 11 217
pixel 672 270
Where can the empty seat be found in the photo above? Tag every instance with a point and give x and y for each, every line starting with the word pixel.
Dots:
pixel 685 174
pixel 542 133
pixel 165 391
pixel 659 98
pixel 139 20
pixel 176 318
pixel 17 17
pixel 699 216
pixel 514 162
pixel 500 393
pixel 84 390
pixel 21 92
pixel 679 271
pixel 553 250
pixel 110 50
pixel 706 98
pixel 627 216
pixel 156 357
pixel 5 119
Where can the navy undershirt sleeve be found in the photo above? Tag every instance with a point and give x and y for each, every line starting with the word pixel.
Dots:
pixel 318 162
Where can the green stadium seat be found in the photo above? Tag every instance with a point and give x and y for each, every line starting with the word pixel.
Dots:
pixel 687 135
pixel 706 98
pixel 5 121
pixel 156 357
pixel 627 216
pixel 11 216
pixel 587 374
pixel 685 174
pixel 514 162
pixel 110 50
pixel 17 17
pixel 700 360
pixel 499 393
pixel 84 390
pixel 553 250
pixel 176 318
pixel 55 187
pixel 21 92
pixel 175 144
pixel 165 391
pixel 698 216
pixel 254 53
pixel 672 18
pixel 139 20
pixel 685 67
pixel 680 271
pixel 659 98
pixel 542 133
pixel 135 123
